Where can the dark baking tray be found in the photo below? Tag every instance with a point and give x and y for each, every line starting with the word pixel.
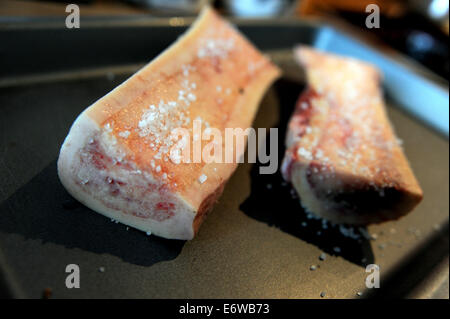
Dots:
pixel 252 245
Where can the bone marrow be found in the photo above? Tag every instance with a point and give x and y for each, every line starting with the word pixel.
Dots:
pixel 342 156
pixel 116 157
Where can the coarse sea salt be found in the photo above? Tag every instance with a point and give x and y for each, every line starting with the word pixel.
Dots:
pixel 215 48
pixel 305 153
pixel 124 134
pixel 202 178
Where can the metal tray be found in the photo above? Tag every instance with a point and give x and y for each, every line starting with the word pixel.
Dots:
pixel 253 244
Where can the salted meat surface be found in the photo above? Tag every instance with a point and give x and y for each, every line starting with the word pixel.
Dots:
pixel 116 158
pixel 342 156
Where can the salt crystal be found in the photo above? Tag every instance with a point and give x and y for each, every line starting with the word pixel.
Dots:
pixel 191 97
pixel 215 47
pixel 124 134
pixel 202 178
pixel 305 153
pixel 319 154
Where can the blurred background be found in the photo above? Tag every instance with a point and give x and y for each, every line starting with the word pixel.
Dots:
pixel 417 28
